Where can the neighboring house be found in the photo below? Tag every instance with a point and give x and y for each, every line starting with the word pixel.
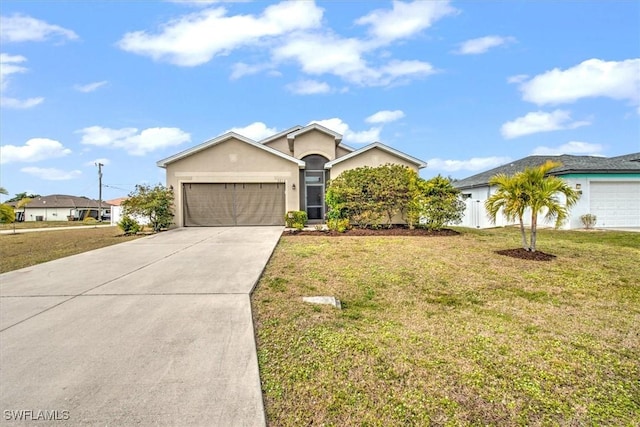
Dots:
pixel 233 180
pixel 117 213
pixel 609 188
pixel 60 207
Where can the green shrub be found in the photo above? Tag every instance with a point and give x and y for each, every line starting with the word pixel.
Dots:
pixel 90 220
pixel 129 225
pixel 296 219
pixel 588 220
pixel 338 224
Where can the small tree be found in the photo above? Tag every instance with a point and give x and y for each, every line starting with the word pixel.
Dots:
pixel 154 203
pixel 7 214
pixel 510 199
pixel 531 189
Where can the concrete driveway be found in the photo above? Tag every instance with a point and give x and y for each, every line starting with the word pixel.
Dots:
pixel 156 331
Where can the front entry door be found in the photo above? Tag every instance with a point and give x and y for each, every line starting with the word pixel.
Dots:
pixel 314 189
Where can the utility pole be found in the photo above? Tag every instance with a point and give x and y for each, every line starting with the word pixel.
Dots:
pixel 100 165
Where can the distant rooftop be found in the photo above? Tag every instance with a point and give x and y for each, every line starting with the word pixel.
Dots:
pixel 629 163
pixel 64 201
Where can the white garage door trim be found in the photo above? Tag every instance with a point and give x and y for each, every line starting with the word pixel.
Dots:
pixel 615 203
pixel 233 204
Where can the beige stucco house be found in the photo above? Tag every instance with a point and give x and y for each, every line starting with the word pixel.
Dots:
pixel 233 180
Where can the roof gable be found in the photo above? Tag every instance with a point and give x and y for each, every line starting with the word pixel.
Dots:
pixel 220 139
pixel 315 126
pixel 382 147
pixel 280 134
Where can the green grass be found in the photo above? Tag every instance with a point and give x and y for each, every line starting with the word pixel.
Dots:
pixel 47 224
pixel 26 249
pixel 443 331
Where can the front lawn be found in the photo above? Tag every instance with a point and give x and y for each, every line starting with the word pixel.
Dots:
pixel 22 249
pixel 444 331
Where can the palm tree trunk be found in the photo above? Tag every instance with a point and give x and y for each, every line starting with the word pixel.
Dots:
pixel 534 230
pixel 523 233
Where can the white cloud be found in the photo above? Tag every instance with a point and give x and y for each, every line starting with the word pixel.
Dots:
pixel 33 150
pixel 22 28
pixel 52 174
pixel 255 131
pixel 482 44
pixel 540 121
pixel 102 160
pixel 20 104
pixel 322 54
pixel 196 38
pixel 361 137
pixel 519 78
pixel 572 147
pixel 10 64
pixel 241 69
pixel 90 87
pixel 473 164
pixel 134 142
pixel 309 87
pixel 385 116
pixel 344 57
pixel 396 69
pixel 618 80
pixel 405 19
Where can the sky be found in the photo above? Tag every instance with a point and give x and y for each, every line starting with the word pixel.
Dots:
pixel 463 85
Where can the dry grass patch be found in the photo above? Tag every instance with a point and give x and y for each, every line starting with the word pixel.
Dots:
pixel 444 331
pixel 25 249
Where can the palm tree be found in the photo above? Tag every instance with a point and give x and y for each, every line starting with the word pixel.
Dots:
pixel 543 191
pixel 511 199
pixel 532 188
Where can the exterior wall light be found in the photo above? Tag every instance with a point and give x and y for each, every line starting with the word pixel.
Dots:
pixel 293 187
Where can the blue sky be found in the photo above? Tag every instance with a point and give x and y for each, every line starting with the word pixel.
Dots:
pixel 463 85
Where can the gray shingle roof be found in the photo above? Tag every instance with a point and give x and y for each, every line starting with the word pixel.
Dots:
pixel 64 201
pixel 629 163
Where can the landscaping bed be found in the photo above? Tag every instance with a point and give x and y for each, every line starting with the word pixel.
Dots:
pixel 382 231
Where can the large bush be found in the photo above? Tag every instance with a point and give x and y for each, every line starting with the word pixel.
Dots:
pixel 370 197
pixel 154 203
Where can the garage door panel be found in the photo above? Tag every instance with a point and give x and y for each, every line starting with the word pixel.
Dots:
pixel 259 204
pixel 615 204
pixel 208 204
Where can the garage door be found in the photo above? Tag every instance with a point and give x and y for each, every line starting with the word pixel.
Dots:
pixel 615 204
pixel 207 205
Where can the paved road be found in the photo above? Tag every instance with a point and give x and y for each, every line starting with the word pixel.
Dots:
pixel 156 331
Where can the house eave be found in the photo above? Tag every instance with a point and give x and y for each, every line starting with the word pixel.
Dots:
pixel 419 163
pixel 222 138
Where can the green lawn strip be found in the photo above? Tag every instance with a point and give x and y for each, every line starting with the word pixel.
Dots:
pixel 26 249
pixel 442 330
